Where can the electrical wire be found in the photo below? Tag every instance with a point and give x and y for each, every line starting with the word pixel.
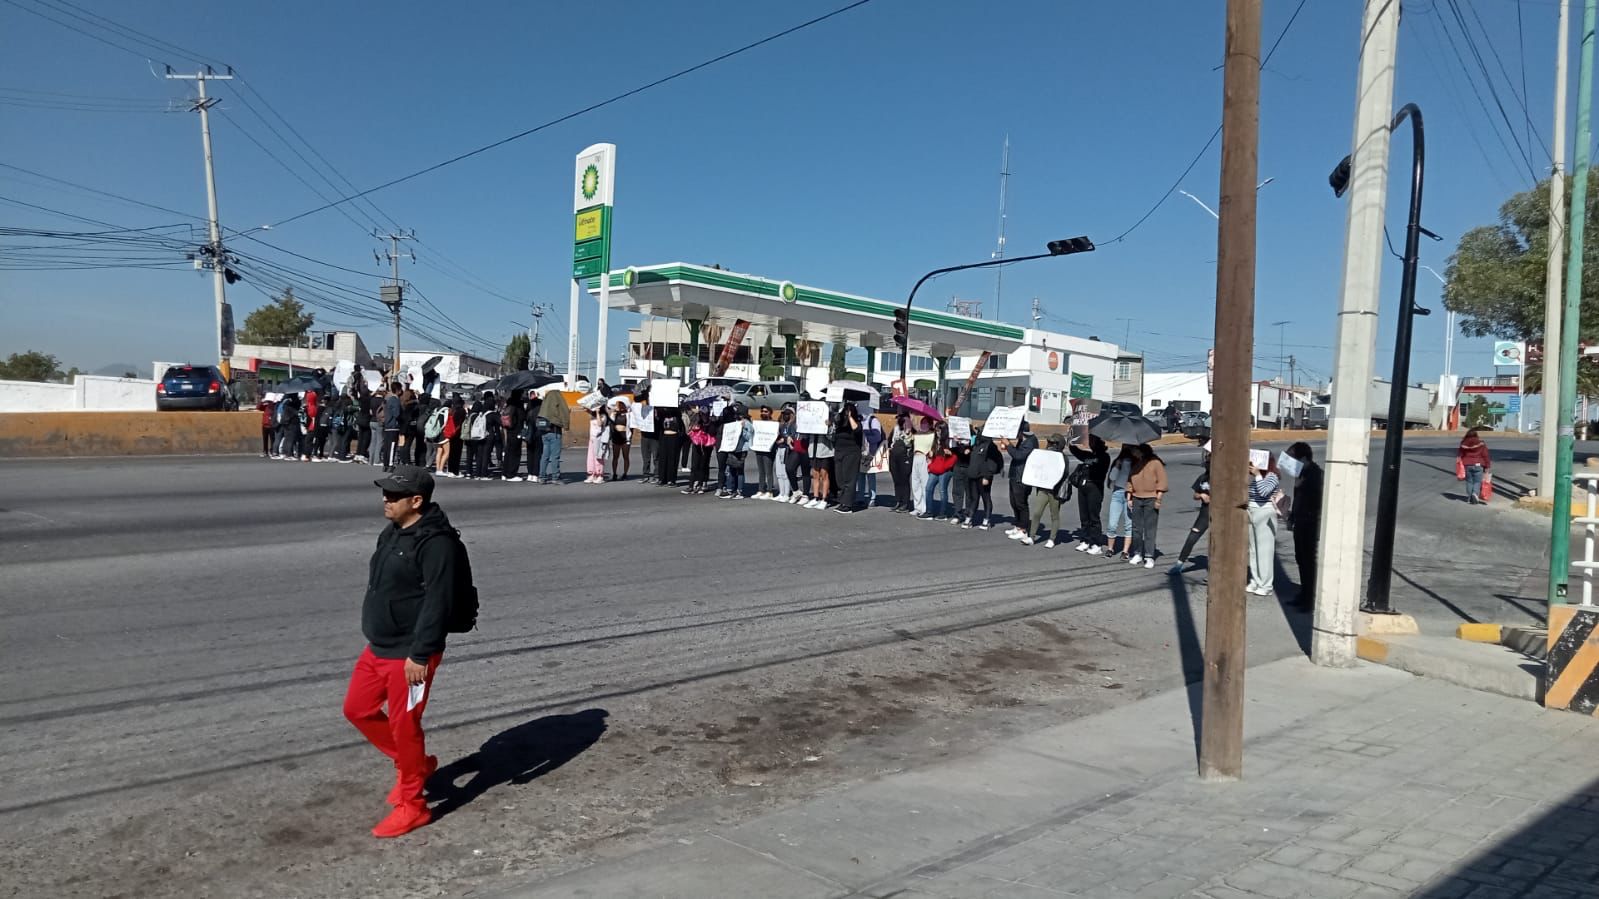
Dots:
pixel 587 109
pixel 1488 82
pixel 1208 144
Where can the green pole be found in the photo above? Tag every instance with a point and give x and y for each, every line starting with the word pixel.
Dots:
pixel 1560 520
pixel 871 363
pixel 694 348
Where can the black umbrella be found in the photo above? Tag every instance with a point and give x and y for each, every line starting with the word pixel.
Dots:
pixel 1120 427
pixel 301 383
pixel 524 380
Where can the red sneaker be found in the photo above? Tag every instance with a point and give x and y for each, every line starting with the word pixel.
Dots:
pixel 403 820
pixel 430 765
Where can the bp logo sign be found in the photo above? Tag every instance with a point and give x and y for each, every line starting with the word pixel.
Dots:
pixel 630 277
pixel 591 182
pixel 787 292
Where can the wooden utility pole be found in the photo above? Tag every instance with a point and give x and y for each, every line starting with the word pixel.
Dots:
pixel 1221 743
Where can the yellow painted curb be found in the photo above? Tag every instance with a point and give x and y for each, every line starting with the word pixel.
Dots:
pixel 1478 633
pixel 1371 650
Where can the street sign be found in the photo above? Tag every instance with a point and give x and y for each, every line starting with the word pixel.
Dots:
pixel 1082 387
pixel 591 210
pixel 1513 404
pixel 1507 354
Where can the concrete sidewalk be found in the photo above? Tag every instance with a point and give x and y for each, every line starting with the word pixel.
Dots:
pixel 1365 782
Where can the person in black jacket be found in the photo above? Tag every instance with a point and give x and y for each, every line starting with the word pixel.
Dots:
pixel 1018 450
pixel 983 467
pixel 669 431
pixel 514 416
pixel 1090 476
pixel 405 616
pixel 848 441
pixel 393 424
pixel 1304 517
pixel 1201 521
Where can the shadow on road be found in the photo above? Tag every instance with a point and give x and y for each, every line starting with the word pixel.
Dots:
pixel 1503 486
pixel 1550 855
pixel 1436 596
pixel 516 756
pixel 1191 651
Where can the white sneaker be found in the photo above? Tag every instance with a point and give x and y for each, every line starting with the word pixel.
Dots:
pixel 1135 559
pixel 1095 550
pixel 818 504
pixel 1082 546
pixel 1015 534
pixel 1049 544
pixel 1027 541
pixel 1149 563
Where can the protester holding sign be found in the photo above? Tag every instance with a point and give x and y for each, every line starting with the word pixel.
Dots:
pixel 985 465
pixel 669 427
pixel 1047 499
pixel 1089 479
pixel 735 447
pixel 849 440
pixel 1018 450
pixel 763 439
pixel 900 453
pixel 703 440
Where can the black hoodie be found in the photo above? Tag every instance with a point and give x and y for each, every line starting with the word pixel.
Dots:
pixel 1022 447
pixel 409 588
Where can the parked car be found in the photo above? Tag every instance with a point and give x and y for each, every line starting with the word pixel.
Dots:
pixel 194 388
pixel 1196 425
pixel 1123 408
pixel 766 394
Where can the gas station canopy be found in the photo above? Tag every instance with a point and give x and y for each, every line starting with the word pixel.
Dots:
pixel 699 293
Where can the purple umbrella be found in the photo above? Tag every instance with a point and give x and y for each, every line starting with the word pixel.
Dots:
pixel 916 407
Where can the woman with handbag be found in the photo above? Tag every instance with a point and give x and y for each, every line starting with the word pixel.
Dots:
pixel 1473 463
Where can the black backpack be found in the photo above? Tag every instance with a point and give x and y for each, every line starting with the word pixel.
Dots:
pixel 463 608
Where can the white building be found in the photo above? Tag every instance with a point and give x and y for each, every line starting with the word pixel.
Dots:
pixel 1038 376
pixel 453 368
pixel 1189 391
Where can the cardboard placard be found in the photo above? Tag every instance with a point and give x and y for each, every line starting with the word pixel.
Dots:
pixel 732 433
pixel 1260 458
pixel 879 462
pixel 664 391
pixel 810 417
pixel 960 429
pixel 1004 422
pixel 592 400
pixel 1288 465
pixel 765 436
pixel 1044 469
pixel 641 417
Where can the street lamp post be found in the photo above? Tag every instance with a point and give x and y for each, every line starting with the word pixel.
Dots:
pixel 1382 549
pixel 1067 247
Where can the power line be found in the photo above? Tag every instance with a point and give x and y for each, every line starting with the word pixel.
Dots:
pixel 1206 148
pixel 1520 98
pixel 1476 54
pixel 587 109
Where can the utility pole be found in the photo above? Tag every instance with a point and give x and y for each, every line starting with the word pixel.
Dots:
pixel 1293 399
pixel 217 260
pixel 1560 523
pixel 999 251
pixel 1343 518
pixel 394 294
pixel 534 333
pixel 1038 313
pixel 1282 345
pixel 1547 437
pixel 1221 741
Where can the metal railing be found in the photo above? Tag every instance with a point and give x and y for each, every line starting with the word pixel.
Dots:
pixel 1590 526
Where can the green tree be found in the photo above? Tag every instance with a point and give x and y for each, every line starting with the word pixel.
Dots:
pixel 1477 414
pixel 836 366
pixel 517 352
pixel 281 322
pixel 769 369
pixel 1495 279
pixel 30 366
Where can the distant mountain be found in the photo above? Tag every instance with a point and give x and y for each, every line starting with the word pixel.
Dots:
pixel 118 369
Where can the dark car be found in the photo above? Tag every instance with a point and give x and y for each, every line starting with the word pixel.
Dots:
pixel 192 388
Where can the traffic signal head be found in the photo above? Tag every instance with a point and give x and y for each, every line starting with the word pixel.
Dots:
pixel 1070 245
pixel 902 327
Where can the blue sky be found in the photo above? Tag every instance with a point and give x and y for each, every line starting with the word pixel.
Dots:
pixel 854 155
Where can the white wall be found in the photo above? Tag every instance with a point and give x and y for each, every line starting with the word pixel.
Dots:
pixel 87 393
pixel 1162 388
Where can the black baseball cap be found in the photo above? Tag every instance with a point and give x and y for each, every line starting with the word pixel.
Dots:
pixel 412 480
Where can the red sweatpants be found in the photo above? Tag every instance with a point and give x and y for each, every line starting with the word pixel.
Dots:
pixel 397 734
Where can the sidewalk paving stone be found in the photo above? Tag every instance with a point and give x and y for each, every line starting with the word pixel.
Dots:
pixel 1359 783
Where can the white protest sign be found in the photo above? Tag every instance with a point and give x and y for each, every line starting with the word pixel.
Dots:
pixel 732 433
pixel 765 436
pixel 1004 422
pixel 592 400
pixel 663 392
pixel 1288 465
pixel 642 417
pixel 1260 458
pixel 718 406
pixel 879 462
pixel 810 417
pixel 960 429
pixel 1044 469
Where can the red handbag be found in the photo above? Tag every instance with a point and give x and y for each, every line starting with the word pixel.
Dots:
pixel 1460 469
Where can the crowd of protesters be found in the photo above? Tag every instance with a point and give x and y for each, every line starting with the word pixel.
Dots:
pixel 706 449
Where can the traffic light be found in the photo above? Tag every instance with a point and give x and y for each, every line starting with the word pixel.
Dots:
pixel 1070 245
pixel 902 327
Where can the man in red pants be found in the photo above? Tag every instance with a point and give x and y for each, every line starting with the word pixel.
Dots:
pixel 412 584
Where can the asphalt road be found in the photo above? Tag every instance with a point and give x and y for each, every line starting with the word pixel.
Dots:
pixel 178 633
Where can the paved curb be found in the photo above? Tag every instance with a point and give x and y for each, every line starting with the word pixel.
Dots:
pixel 1478 633
pixel 1478 666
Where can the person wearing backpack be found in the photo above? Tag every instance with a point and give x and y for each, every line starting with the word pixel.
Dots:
pixel 1047 501
pixel 513 416
pixel 419 590
pixel 440 430
pixel 485 432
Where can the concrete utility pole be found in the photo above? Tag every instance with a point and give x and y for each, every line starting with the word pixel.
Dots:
pixel 218 261
pixel 1221 743
pixel 1560 527
pixel 394 294
pixel 1343 517
pixel 1553 301
pixel 999 250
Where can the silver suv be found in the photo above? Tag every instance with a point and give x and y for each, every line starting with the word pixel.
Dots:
pixel 765 394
